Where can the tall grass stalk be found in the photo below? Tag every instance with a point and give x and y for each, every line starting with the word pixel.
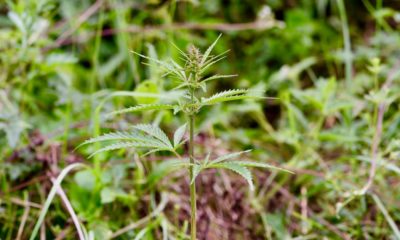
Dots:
pixel 347 42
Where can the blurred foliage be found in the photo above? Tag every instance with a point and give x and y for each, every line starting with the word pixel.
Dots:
pixel 65 64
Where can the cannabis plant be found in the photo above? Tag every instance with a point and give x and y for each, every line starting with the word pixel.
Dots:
pixel 191 78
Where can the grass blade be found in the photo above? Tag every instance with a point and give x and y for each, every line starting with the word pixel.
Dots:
pixel 387 216
pixel 51 195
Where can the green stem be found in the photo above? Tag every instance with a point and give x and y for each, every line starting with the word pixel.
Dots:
pixel 347 42
pixel 192 185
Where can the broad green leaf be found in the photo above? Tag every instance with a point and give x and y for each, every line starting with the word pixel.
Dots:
pixel 144 107
pixel 178 135
pixel 147 86
pixel 109 194
pixel 85 179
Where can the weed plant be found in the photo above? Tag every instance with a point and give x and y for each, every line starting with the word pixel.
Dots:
pixel 191 78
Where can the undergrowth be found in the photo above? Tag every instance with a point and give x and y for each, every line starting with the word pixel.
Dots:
pixel 177 123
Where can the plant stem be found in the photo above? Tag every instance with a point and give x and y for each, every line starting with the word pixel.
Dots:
pixel 347 42
pixel 192 185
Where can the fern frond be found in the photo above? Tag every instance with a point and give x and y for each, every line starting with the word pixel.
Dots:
pixel 155 132
pixel 143 107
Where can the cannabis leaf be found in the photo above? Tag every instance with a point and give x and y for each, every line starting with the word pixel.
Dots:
pixel 228 95
pixel 240 167
pixel 241 170
pixel 178 135
pixel 208 51
pixel 144 136
pixel 143 107
pixel 155 132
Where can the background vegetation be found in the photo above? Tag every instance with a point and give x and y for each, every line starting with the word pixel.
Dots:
pixel 333 66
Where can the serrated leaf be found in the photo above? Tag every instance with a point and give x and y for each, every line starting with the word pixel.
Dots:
pixel 154 131
pixel 203 86
pixel 177 109
pixel 120 136
pixel 170 68
pixel 144 107
pixel 214 59
pixel 228 156
pixel 207 158
pixel 228 95
pixel 208 51
pixel 180 51
pixel 210 63
pixel 132 144
pixel 178 135
pixel 114 146
pixel 260 165
pixel 196 171
pixel 241 170
pixel 217 77
pixel 184 84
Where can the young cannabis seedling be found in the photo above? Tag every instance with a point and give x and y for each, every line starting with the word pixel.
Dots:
pixel 190 78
